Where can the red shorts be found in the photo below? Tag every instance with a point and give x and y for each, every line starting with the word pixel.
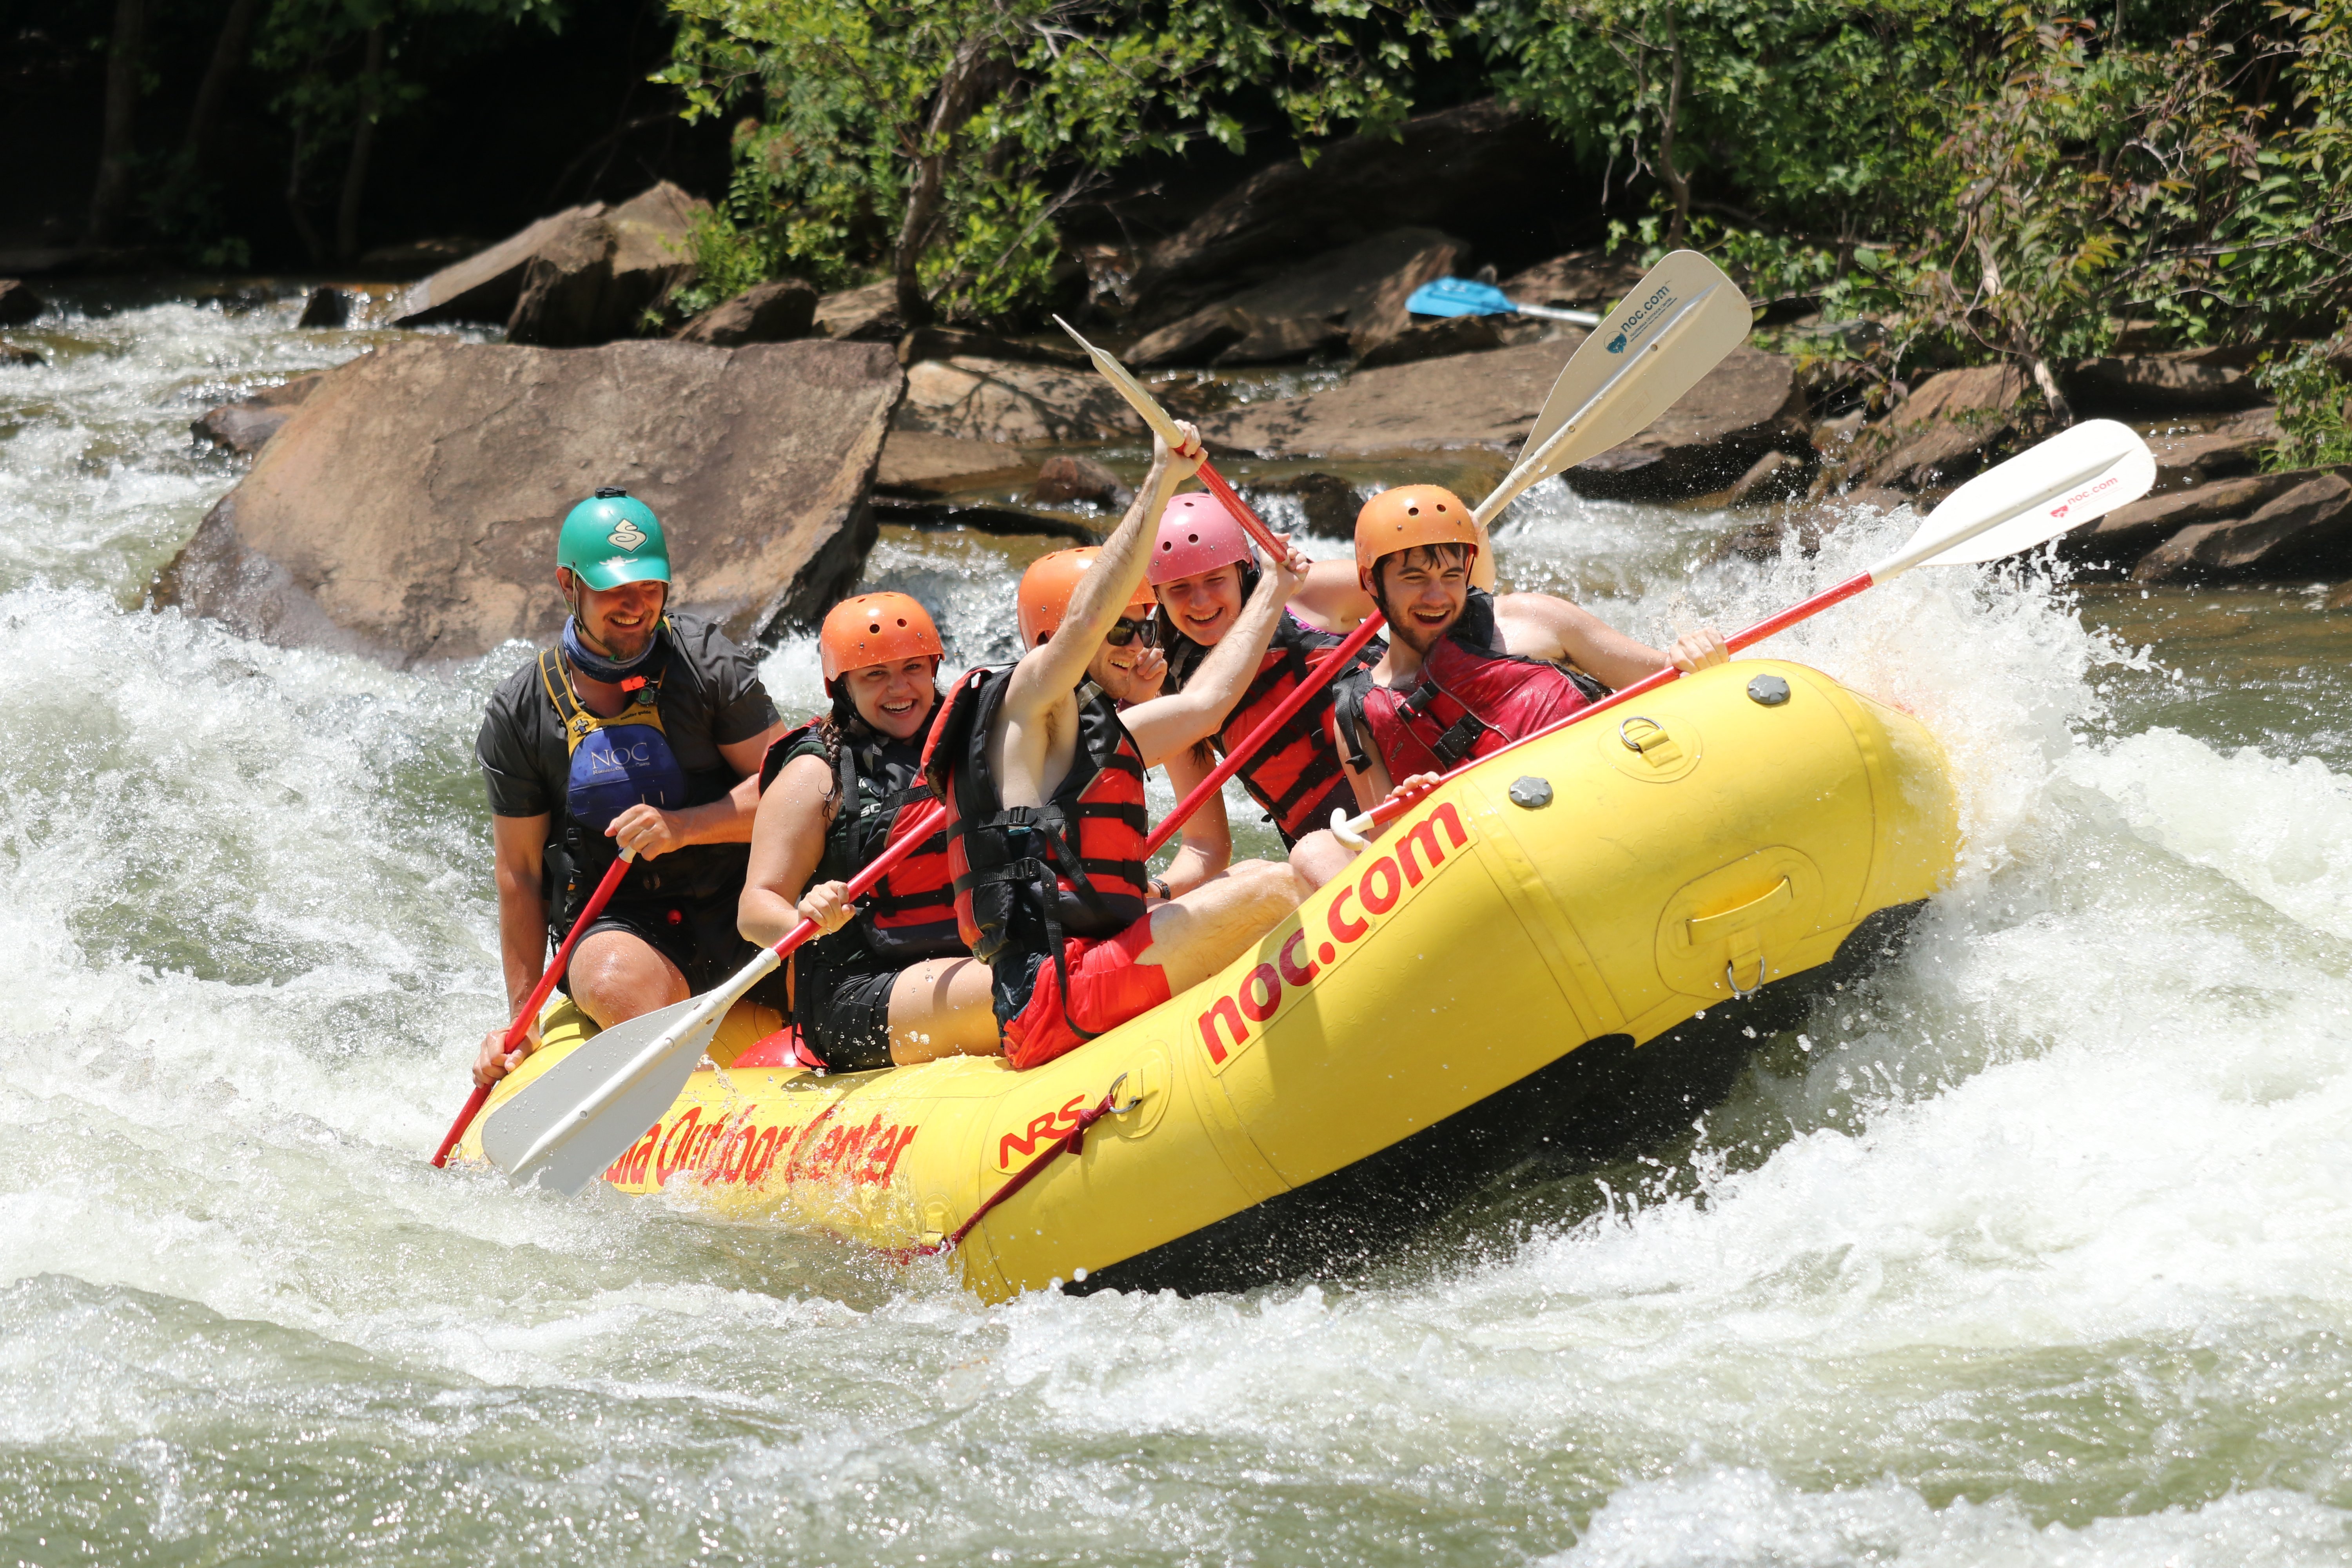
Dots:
pixel 1107 987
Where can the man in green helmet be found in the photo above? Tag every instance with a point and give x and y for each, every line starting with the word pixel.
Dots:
pixel 641 731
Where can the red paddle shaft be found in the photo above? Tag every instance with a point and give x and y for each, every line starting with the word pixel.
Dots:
pixel 1389 810
pixel 547 979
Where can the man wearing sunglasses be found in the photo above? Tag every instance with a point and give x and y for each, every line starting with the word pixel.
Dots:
pixel 1042 770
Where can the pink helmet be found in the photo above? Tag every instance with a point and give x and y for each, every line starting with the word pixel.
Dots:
pixel 1197 534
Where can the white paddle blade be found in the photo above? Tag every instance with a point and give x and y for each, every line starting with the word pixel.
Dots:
pixel 2075 476
pixel 584 1145
pixel 1145 405
pixel 1677 323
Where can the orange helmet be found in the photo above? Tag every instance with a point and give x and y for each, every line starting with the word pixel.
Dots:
pixel 875 628
pixel 1406 518
pixel 1046 587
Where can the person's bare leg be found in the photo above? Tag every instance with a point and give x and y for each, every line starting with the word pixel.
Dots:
pixel 617 977
pixel 1319 858
pixel 1194 936
pixel 942 1008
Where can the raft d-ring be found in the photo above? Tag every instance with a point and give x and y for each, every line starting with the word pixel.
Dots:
pixel 1112 1094
pixel 1730 981
pixel 1657 733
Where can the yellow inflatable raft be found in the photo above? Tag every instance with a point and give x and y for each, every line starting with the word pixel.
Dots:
pixel 1560 953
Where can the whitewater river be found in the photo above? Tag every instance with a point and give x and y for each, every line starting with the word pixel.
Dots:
pixel 2036 1250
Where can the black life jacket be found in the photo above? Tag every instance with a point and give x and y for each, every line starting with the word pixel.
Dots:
pixel 619 762
pixel 1471 701
pixel 909 916
pixel 1026 877
pixel 1296 774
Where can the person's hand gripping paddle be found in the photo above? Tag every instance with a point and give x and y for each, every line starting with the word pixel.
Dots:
pixel 2073 477
pixel 520 1027
pixel 565 1126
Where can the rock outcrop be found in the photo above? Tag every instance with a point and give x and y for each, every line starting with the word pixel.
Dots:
pixel 1011 403
pixel 2226 446
pixel 1443 170
pixel 1580 280
pixel 1746 406
pixel 410 508
pixel 1065 477
pixel 863 315
pixel 2114 544
pixel 2189 381
pixel 585 274
pixel 775 312
pixel 1946 430
pixel 1351 297
pixel 919 460
pixel 2304 531
pixel 246 426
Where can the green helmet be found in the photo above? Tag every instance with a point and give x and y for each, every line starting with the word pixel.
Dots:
pixel 612 538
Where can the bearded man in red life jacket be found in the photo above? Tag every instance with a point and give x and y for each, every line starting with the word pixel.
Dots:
pixel 1465 672
pixel 1042 772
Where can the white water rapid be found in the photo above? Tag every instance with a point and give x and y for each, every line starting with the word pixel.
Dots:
pixel 2036 1248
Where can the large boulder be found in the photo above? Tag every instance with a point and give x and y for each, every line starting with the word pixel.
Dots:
pixel 923 461
pixel 1010 401
pixel 773 312
pixel 867 314
pixel 1350 298
pixel 2187 381
pixel 1944 430
pixel 2307 531
pixel 1466 165
pixel 1744 407
pixel 410 508
pixel 585 274
pixel 2114 544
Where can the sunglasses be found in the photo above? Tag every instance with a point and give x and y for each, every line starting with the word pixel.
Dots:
pixel 1127 629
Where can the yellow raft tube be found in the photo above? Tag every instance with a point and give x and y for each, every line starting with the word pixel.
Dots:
pixel 1512 971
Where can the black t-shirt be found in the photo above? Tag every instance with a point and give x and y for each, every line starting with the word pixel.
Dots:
pixel 710 697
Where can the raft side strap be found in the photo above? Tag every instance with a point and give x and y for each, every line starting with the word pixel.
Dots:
pixel 1070 1143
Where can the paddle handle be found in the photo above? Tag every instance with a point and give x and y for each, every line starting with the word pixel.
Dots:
pixel 1388 811
pixel 547 976
pixel 1242 510
pixel 1299 697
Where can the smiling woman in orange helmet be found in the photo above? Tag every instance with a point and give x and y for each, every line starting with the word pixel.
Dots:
pixel 889 981
pixel 1465 672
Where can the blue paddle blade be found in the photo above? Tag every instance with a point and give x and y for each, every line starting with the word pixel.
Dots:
pixel 1459 297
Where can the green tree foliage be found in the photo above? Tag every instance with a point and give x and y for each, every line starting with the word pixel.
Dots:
pixel 939 138
pixel 1989 180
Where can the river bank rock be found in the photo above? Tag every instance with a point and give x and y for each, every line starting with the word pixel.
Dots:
pixel 775 312
pixel 868 314
pixel 1011 403
pixel 2185 380
pixel 585 274
pixel 19 304
pixel 2304 531
pixel 1351 297
pixel 2114 544
pixel 1943 432
pixel 246 426
pixel 410 508
pixel 955 342
pixel 1067 477
pixel 1458 165
pixel 924 462
pixel 2227 446
pixel 1744 407
pixel 1580 280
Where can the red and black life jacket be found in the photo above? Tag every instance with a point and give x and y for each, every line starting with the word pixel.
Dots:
pixel 1471 701
pixel 1028 875
pixel 910 914
pixel 1296 774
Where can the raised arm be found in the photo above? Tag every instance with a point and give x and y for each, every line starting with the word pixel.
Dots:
pixel 1167 725
pixel 1049 673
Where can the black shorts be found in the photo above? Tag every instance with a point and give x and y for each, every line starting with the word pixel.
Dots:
pixel 844 1017
pixel 698 935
